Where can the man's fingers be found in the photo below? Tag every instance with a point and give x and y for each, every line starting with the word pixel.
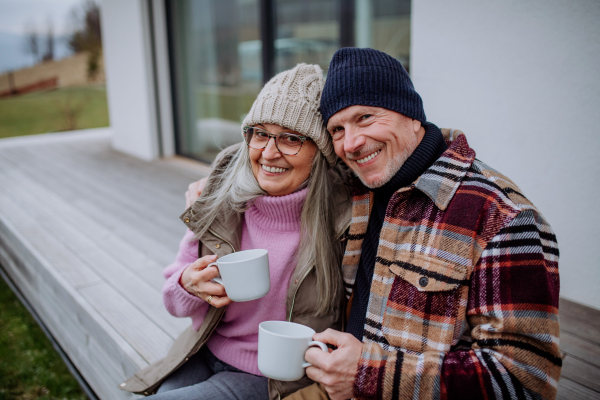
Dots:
pixel 314 373
pixel 317 357
pixel 331 336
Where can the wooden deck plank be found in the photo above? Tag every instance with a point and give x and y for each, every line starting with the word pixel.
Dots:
pixel 581 372
pixel 579 348
pixel 159 189
pixel 65 262
pixel 155 181
pixel 128 208
pixel 570 390
pixel 137 292
pixel 168 174
pixel 580 328
pixel 142 334
pixel 90 228
pixel 570 308
pixel 87 256
pixel 104 236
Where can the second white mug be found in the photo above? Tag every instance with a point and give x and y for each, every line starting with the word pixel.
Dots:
pixel 281 347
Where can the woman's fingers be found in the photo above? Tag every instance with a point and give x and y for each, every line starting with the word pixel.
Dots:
pixel 211 288
pixel 203 286
pixel 203 262
pixel 219 302
pixel 192 275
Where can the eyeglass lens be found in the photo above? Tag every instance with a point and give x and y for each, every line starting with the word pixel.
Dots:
pixel 287 143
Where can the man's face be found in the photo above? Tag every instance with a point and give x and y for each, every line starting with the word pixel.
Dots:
pixel 374 142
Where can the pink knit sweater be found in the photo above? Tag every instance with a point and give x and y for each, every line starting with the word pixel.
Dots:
pixel 272 223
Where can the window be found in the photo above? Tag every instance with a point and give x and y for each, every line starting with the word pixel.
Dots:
pixel 222 52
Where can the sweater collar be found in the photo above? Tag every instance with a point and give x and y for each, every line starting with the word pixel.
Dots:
pixel 278 213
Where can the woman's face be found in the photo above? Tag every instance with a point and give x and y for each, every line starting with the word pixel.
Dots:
pixel 279 174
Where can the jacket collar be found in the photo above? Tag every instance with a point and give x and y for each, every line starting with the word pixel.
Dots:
pixel 441 181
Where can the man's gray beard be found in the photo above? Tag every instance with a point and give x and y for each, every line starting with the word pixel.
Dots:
pixel 392 168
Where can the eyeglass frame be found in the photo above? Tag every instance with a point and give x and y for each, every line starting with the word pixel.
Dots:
pixel 274 136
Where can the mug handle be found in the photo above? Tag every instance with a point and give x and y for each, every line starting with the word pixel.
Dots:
pixel 323 347
pixel 216 279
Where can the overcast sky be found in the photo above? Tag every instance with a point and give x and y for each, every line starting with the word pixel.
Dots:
pixel 16 14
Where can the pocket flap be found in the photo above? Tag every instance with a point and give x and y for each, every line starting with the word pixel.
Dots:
pixel 427 273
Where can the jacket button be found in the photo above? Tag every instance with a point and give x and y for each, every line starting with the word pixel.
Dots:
pixel 123 384
pixel 218 246
pixel 423 281
pixel 187 220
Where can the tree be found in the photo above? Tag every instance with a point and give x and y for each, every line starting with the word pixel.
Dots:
pixel 32 41
pixel 87 36
pixel 48 54
pixel 40 46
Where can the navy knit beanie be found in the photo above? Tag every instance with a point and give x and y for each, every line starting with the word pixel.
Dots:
pixel 369 77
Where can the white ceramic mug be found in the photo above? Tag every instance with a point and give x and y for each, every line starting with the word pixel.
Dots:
pixel 245 274
pixel 281 347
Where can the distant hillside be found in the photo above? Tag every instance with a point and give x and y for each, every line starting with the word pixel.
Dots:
pixel 12 55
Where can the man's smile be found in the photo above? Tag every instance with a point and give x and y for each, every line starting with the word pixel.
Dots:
pixel 369 157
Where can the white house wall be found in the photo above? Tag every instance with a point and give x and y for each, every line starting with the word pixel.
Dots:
pixel 129 77
pixel 521 79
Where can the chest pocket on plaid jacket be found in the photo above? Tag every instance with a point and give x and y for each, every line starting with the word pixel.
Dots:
pixel 427 297
pixel 426 273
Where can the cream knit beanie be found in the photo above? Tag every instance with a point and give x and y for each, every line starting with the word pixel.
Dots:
pixel 291 99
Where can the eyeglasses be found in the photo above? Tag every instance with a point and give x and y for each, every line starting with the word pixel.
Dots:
pixel 287 143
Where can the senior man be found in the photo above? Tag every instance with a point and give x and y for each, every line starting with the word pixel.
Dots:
pixel 451 272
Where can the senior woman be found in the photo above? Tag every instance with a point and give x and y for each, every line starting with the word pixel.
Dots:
pixel 280 191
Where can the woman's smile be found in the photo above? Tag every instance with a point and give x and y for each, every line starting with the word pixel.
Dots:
pixel 273 169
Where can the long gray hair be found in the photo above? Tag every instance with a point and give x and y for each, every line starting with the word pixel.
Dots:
pixel 235 188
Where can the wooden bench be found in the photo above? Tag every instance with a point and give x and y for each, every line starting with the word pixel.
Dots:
pixel 85 232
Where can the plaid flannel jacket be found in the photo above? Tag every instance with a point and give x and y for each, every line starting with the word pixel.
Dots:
pixel 464 299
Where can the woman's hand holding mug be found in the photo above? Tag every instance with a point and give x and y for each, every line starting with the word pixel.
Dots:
pixel 196 280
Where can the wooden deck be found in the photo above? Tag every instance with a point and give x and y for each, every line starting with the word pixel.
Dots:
pixel 85 232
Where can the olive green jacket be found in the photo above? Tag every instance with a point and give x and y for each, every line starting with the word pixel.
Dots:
pixel 222 238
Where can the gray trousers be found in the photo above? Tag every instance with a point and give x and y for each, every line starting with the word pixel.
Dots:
pixel 205 377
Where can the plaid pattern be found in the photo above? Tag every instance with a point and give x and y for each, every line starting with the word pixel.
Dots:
pixel 464 298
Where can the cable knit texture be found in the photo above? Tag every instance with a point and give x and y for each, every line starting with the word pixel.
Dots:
pixel 272 223
pixel 291 99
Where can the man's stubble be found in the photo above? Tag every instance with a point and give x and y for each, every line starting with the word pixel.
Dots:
pixel 392 167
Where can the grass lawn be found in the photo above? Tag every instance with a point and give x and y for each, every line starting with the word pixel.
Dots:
pixel 30 368
pixel 53 111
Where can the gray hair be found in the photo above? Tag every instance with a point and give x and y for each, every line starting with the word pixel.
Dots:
pixel 235 188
